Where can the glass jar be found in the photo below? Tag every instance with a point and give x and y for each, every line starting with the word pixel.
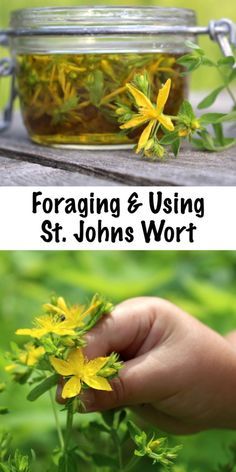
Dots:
pixel 72 74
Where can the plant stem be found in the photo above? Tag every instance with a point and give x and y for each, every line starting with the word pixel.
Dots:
pixel 231 94
pixel 69 425
pixel 228 88
pixel 59 431
pixel 118 447
pixel 113 94
pixel 134 461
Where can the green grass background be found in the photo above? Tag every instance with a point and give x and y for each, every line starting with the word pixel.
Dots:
pixel 206 10
pixel 203 283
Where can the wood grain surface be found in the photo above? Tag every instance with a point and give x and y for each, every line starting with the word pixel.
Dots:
pixel 24 163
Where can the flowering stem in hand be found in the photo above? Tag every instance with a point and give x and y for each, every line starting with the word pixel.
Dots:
pixel 59 431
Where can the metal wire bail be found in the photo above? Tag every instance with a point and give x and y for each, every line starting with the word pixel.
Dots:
pixel 7 70
pixel 225 38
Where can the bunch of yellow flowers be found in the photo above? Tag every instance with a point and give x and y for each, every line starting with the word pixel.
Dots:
pixel 57 338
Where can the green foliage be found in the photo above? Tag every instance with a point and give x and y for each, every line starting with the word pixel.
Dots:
pixel 43 387
pixel 156 449
pixel 95 85
pixel 187 124
pixel 15 462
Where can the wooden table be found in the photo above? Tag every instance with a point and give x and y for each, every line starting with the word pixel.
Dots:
pixel 24 163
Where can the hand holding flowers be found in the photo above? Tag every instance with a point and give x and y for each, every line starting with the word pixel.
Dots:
pixel 55 355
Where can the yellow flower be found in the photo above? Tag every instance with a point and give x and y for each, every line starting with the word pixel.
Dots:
pixel 48 324
pixel 80 370
pixel 183 133
pixel 149 113
pixel 74 314
pixel 153 445
pixel 10 368
pixel 189 129
pixel 31 355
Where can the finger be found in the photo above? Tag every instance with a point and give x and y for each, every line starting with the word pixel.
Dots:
pixel 231 338
pixel 60 386
pixel 126 329
pixel 163 421
pixel 134 385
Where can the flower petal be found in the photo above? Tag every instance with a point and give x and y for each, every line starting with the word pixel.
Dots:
pixel 163 96
pixel 140 98
pixel 96 382
pixel 61 366
pixel 85 313
pixel 76 360
pixel 48 307
pixel 72 388
pixel 93 366
pixel 145 136
pixel 34 332
pixel 166 122
pixel 61 330
pixel 138 120
pixel 61 304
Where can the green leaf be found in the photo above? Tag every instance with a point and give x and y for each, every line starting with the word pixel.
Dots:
pixel 210 99
pixel 190 62
pixel 211 118
pixel 108 417
pixel 226 61
pixel 120 416
pixel 42 388
pixel 214 118
pixel 169 138
pixel 192 45
pixel 95 84
pixel 232 76
pixel 186 109
pixel 176 147
pixel 207 142
pixel 102 308
pixel 207 62
pixel 3 410
pixel 133 430
pixel 219 134
pixel 228 117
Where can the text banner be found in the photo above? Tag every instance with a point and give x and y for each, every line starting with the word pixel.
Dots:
pixel 122 218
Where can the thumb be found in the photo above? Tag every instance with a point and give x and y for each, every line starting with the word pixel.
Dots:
pixel 127 330
pixel 134 386
pixel 124 330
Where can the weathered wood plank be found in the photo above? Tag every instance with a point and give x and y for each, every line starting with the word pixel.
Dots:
pixel 13 172
pixel 120 167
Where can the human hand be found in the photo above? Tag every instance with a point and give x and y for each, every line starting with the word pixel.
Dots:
pixel 178 373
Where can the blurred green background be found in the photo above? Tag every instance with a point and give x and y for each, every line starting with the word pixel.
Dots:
pixel 203 283
pixel 206 10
